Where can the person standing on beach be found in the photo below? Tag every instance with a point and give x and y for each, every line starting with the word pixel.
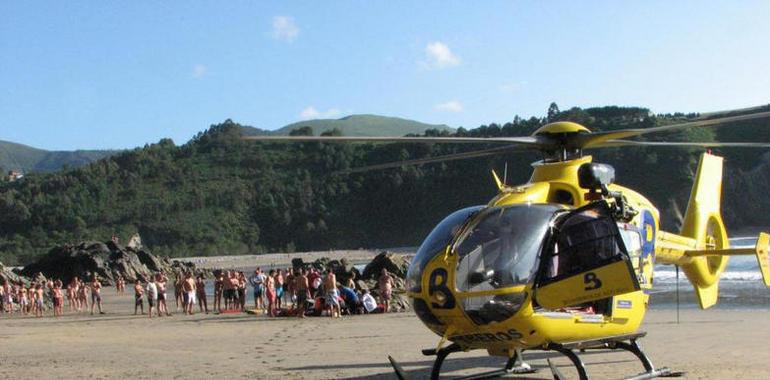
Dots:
pixel 188 286
pixel 257 281
pixel 120 285
pixel 242 291
pixel 270 293
pixel 179 292
pixel 152 296
pixel 229 290
pixel 161 281
pixel 38 300
pixel 58 299
pixel 138 296
pixel 82 296
pixel 279 288
pixel 200 287
pixel 219 284
pixel 96 295
pixel 330 289
pixel 386 288
pixel 302 290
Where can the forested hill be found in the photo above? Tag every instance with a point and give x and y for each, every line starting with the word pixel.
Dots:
pixel 218 194
pixel 355 125
pixel 25 158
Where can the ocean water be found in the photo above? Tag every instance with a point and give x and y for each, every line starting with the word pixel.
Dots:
pixel 740 287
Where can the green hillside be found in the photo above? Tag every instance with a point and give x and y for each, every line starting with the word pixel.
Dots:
pixel 364 125
pixel 219 194
pixel 15 156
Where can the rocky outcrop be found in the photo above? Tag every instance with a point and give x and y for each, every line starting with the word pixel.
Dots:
pixel 105 260
pixel 394 263
pixel 7 275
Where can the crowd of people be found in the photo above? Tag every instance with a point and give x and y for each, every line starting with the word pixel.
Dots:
pixel 31 299
pixel 296 292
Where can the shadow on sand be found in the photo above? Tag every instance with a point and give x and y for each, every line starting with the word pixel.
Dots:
pixel 482 364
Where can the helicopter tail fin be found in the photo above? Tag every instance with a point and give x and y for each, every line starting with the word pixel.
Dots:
pixel 703 223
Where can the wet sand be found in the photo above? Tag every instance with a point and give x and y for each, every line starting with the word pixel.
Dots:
pixel 718 344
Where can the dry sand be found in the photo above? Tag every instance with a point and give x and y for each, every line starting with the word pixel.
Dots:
pixel 718 344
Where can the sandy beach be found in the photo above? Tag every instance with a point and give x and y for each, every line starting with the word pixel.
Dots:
pixel 716 344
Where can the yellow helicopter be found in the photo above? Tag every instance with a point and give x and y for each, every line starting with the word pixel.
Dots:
pixel 564 262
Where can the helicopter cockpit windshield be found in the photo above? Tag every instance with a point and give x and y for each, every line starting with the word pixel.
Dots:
pixel 436 243
pixel 501 248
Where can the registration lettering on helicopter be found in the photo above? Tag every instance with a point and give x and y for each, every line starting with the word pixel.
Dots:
pixel 502 336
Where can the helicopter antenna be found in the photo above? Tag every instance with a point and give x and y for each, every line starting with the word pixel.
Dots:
pixel 505 173
pixel 677 294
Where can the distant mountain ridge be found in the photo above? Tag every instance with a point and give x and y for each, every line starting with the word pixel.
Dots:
pixel 20 157
pixel 356 125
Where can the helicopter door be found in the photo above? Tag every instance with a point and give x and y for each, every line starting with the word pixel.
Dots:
pixel 585 260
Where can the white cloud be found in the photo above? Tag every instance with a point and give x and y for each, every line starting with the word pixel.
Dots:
pixel 453 106
pixel 439 56
pixel 284 28
pixel 312 113
pixel 199 71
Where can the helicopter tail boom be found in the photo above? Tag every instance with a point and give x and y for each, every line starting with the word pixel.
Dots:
pixel 702 248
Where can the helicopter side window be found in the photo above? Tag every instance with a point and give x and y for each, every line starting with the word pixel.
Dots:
pixel 584 240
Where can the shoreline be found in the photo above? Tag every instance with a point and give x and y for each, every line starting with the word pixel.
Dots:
pixel 270 260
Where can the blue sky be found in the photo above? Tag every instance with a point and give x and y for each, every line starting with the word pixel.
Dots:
pixel 121 74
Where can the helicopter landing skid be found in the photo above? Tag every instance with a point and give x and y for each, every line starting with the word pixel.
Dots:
pixel 623 342
pixel 514 365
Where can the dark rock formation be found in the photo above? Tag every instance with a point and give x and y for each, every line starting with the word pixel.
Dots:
pixel 394 263
pixel 106 260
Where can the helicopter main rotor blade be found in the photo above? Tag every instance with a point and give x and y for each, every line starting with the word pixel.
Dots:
pixel 430 160
pixel 705 144
pixel 523 140
pixel 597 138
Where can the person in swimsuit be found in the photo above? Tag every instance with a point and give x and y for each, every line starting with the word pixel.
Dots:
pixel 386 288
pixel 288 289
pixel 218 287
pixel 242 291
pixel 31 297
pixel 39 300
pixel 82 296
pixel 200 287
pixel 188 286
pixel 330 289
pixel 161 281
pixel 302 290
pixel 179 292
pixel 138 296
pixel 58 299
pixel 23 300
pixel 229 290
pixel 270 293
pixel 96 295
pixel 120 285
pixel 71 296
pixel 279 288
